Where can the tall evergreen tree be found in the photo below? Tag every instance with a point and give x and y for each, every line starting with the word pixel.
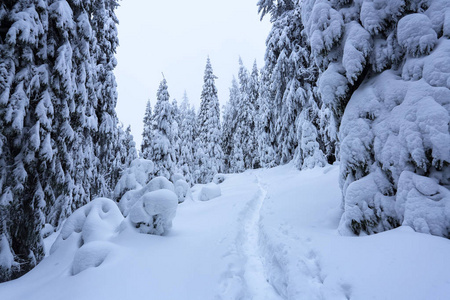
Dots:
pixel 104 25
pixel 147 134
pixel 163 154
pixel 230 113
pixel 209 151
pixel 187 136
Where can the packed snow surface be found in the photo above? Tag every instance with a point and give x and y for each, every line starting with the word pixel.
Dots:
pixel 272 234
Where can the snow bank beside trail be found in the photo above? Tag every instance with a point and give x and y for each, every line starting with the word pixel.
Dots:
pixel 306 258
pixel 209 191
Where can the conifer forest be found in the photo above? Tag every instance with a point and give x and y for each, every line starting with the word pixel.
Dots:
pixel 324 174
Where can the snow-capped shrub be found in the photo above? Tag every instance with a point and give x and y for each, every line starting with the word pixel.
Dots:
pixel 134 177
pixel 366 208
pixel 87 232
pixel 96 221
pixel 154 211
pixel 183 190
pixel 219 178
pixel 209 191
pixel 423 204
pixel 416 35
pixel 130 197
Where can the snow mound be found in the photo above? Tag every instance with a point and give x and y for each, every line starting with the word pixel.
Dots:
pixel 209 191
pixel 416 35
pixel 87 231
pixel 134 177
pixel 183 190
pixel 131 197
pixel 96 221
pixel 154 211
pixel 91 255
pixel 219 178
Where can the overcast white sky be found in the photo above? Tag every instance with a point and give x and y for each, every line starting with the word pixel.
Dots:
pixel 175 37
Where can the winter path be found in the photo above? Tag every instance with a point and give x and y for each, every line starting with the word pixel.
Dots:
pixel 272 235
pixel 248 280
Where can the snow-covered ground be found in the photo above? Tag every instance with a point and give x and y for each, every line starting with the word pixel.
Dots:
pixel 272 234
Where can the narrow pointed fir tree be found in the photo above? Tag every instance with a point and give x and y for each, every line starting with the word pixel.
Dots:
pixel 230 112
pixel 147 134
pixel 209 152
pixel 162 153
pixel 265 124
pixel 187 132
pixel 253 90
pixel 105 23
pixel 175 140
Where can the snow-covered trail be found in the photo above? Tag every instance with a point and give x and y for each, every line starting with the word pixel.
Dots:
pixel 270 236
pixel 248 279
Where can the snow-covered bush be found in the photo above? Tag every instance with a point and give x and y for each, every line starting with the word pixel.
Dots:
pixel 96 221
pixel 209 191
pixel 87 232
pixel 130 197
pixel 135 177
pixel 183 190
pixel 154 211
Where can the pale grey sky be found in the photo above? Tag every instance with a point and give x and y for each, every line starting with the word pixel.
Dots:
pixel 175 37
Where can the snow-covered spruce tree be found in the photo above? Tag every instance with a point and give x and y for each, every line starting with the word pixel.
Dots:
pixel 162 153
pixel 265 124
pixel 243 140
pixel 230 111
pixel 209 151
pixel 288 87
pixel 147 134
pixel 130 148
pixel 253 90
pixel 126 152
pixel 26 113
pixel 187 132
pixel 396 120
pixel 176 121
pixel 104 23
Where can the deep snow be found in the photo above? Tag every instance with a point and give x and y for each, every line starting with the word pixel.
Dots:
pixel 272 234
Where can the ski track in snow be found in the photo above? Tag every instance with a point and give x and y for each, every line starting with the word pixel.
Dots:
pixel 248 280
pixel 302 277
